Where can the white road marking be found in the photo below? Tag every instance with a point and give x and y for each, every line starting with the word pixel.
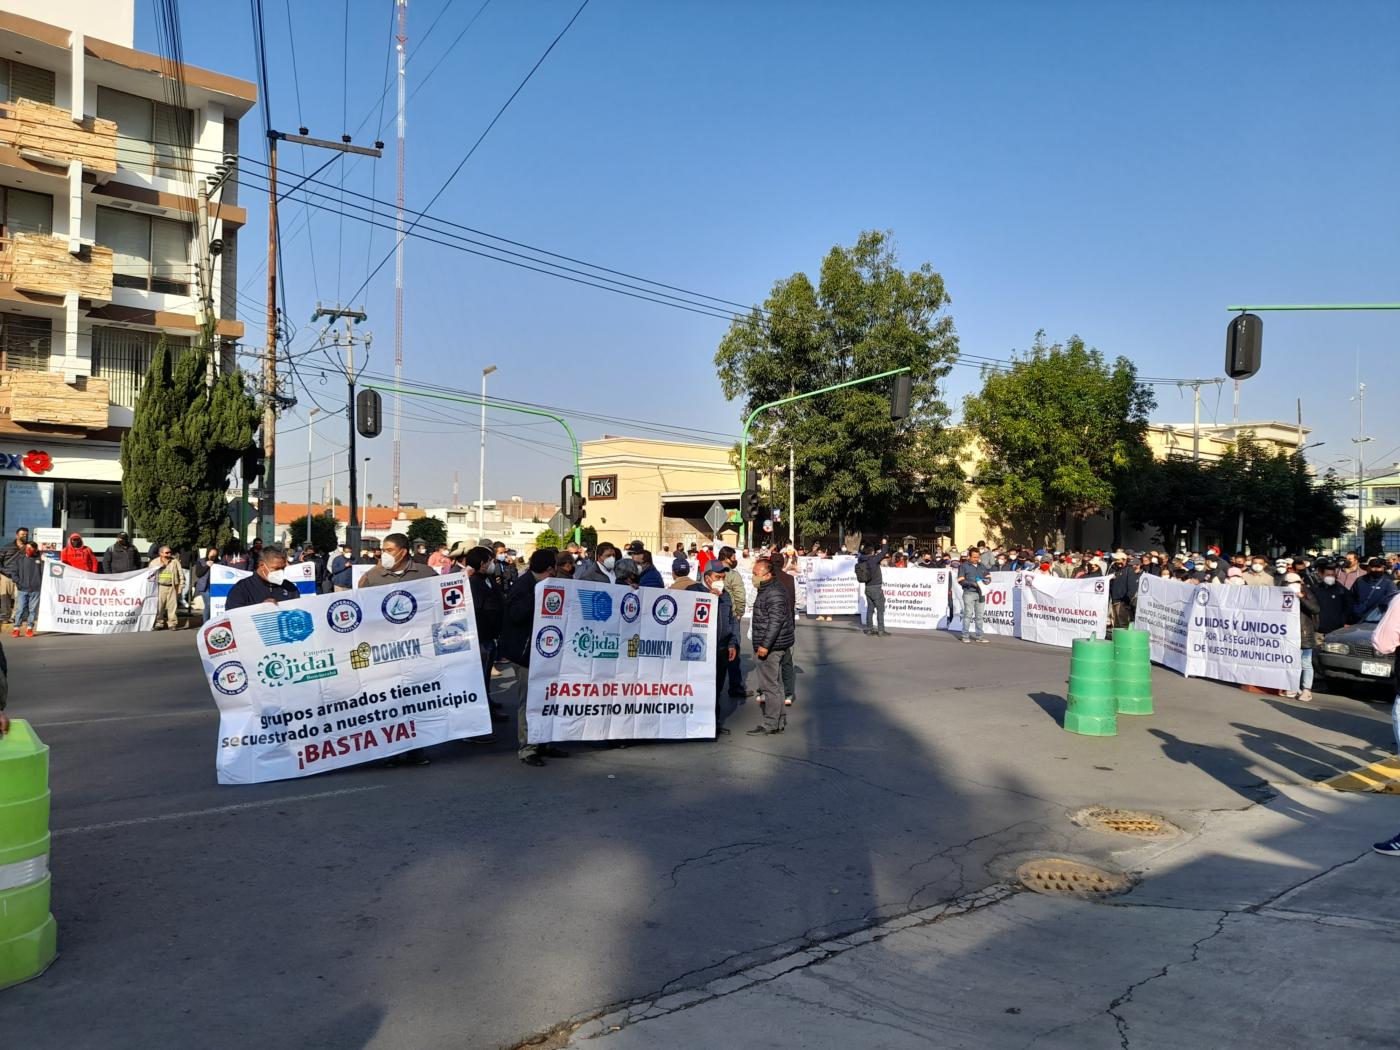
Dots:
pixel 129 718
pixel 236 807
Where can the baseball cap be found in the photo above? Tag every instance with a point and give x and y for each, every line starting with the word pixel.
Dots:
pixel 636 547
pixel 680 567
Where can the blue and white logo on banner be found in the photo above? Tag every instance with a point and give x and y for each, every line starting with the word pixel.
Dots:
pixel 284 626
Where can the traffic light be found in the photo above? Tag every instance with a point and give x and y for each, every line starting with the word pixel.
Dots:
pixel 254 463
pixel 369 413
pixel 900 396
pixel 570 500
pixel 576 502
pixel 750 503
pixel 1244 343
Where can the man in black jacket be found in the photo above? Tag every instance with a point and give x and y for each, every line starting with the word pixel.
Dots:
pixel 266 584
pixel 488 603
pixel 773 633
pixel 122 556
pixel 874 582
pixel 1333 599
pixel 517 630
pixel 726 635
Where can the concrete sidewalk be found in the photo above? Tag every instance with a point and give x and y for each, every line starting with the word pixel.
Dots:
pixel 1266 927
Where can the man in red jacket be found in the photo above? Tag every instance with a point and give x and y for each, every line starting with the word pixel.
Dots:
pixel 79 555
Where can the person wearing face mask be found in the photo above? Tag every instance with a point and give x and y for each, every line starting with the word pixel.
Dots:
pixel 599 568
pixel 78 554
pixel 1372 591
pixel 488 602
pixel 517 642
pixel 1333 599
pixel 1351 570
pixel 266 584
pixel 712 581
pixel 396 564
pixel 772 633
pixel 1307 632
pixel 738 601
pixel 1216 570
pixel 1234 576
pixel 564 566
pixel 1258 574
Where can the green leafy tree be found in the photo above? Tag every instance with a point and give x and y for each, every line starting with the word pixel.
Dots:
pixel 184 440
pixel 548 538
pixel 1059 429
pixel 865 315
pixel 430 530
pixel 1373 537
pixel 323 534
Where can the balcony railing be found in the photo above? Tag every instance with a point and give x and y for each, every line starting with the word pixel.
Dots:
pixel 48 134
pixel 44 397
pixel 39 262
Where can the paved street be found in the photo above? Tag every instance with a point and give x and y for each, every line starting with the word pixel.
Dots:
pixel 844 884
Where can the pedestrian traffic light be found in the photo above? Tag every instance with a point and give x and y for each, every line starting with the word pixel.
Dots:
pixel 900 396
pixel 254 463
pixel 1244 341
pixel 750 503
pixel 369 413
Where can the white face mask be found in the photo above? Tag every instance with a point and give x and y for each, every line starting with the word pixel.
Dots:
pixel 387 560
pixel 1256 568
pixel 717 586
pixel 501 556
pixel 277 577
pixel 609 563
pixel 1329 580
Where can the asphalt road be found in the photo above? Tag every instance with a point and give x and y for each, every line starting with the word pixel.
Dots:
pixel 478 902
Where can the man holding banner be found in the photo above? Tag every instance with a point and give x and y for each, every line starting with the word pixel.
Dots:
pixel 517 636
pixel 266 584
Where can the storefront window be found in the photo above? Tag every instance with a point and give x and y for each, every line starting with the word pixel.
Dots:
pixel 95 510
pixel 29 505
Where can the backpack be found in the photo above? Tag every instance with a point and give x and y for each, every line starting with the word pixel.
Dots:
pixel 862 571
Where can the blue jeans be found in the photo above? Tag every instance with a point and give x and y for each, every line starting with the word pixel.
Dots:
pixel 1395 722
pixel 28 609
pixel 1307 680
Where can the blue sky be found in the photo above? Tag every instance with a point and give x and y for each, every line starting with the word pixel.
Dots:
pixel 1123 172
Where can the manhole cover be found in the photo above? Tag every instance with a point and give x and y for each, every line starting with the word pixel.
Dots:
pixel 1056 876
pixel 1125 822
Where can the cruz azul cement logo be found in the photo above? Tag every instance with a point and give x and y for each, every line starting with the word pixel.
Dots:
pixel 594 645
pixel 702 611
pixel 631 607
pixel 399 606
pixel 453 595
pixel 549 641
pixel 596 605
pixel 284 627
pixel 663 610
pixel 658 647
pixel 230 678
pixel 364 655
pixel 343 616
pixel 218 638
pixel 277 669
pixel 693 647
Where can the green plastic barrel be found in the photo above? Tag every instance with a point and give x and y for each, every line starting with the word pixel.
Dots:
pixel 1132 671
pixel 28 935
pixel 1093 706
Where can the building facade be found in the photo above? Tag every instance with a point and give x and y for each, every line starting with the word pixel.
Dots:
pixel 100 160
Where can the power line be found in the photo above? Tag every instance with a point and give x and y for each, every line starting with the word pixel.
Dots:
pixel 480 139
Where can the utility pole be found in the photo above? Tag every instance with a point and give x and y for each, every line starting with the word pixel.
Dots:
pixel 310 438
pixel 1360 442
pixel 401 41
pixel 267 501
pixel 352 525
pixel 1195 385
pixel 481 473
pixel 792 495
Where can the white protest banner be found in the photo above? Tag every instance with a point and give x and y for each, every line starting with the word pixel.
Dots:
pixel 223 577
pixel 72 601
pixel 916 598
pixel 611 663
pixel 1055 611
pixel 1163 610
pixel 333 680
pixel 999 604
pixel 1248 635
pixel 832 589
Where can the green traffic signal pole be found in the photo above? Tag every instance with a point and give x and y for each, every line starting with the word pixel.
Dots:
pixel 478 402
pixel 744 445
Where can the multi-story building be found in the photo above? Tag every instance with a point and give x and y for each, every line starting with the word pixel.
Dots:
pixel 100 159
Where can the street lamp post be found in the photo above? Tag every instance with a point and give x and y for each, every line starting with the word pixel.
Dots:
pixel 481 472
pixel 368 498
pixel 310 437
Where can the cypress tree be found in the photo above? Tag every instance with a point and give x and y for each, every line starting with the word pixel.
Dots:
pixel 184 439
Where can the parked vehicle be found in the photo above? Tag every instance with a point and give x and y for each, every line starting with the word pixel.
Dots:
pixel 1347 654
